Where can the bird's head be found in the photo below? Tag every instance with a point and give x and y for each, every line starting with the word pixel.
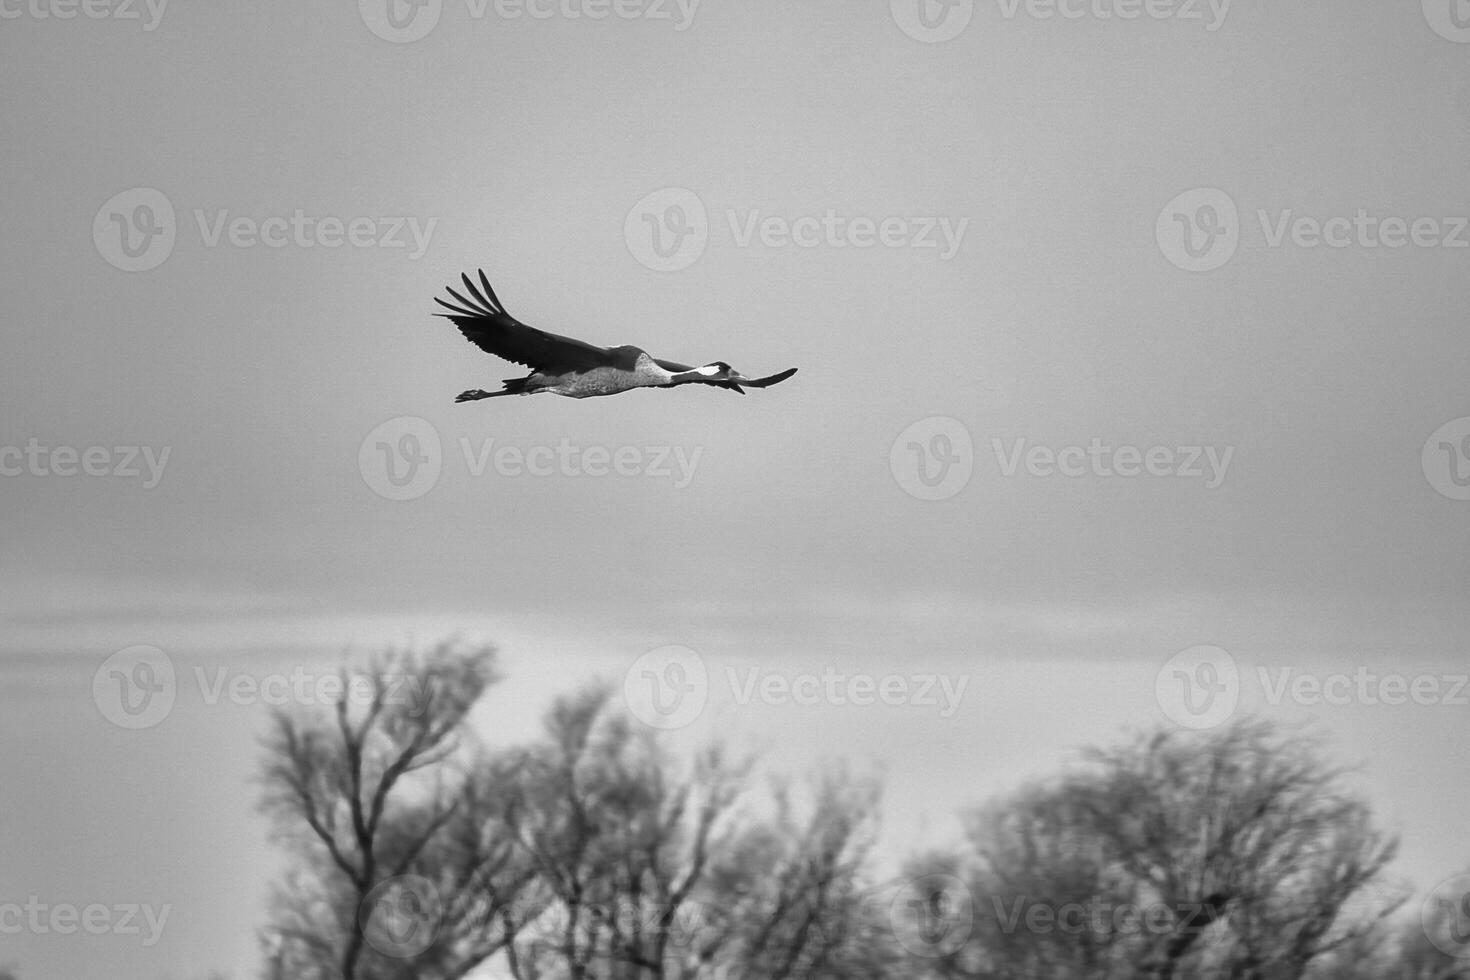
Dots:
pixel 722 374
pixel 718 371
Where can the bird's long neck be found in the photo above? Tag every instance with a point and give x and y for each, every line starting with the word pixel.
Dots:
pixel 697 374
pixel 646 367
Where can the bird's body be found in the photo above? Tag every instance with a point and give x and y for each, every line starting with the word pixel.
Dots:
pixel 564 366
pixel 632 368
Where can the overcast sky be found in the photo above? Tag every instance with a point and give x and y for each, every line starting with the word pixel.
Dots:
pixel 1016 257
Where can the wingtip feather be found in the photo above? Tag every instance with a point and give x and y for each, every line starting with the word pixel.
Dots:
pixel 489 291
pixel 474 290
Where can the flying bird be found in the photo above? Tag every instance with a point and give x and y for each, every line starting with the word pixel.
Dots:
pixel 572 367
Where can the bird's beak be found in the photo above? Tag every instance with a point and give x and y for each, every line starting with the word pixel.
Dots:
pixel 767 381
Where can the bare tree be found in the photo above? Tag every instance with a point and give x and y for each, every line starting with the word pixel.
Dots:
pixel 1234 853
pixel 659 873
pixel 794 889
pixel 620 840
pixel 366 798
pixel 594 854
pixel 590 853
pixel 1249 820
pixel 1047 892
pixel 1432 945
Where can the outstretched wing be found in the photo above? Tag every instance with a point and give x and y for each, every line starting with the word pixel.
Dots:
pixel 485 324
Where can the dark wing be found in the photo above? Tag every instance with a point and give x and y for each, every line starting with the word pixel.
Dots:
pixel 485 324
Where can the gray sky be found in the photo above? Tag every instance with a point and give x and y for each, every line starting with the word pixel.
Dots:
pixel 1064 157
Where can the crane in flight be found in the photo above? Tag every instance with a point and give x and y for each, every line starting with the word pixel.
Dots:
pixel 569 367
